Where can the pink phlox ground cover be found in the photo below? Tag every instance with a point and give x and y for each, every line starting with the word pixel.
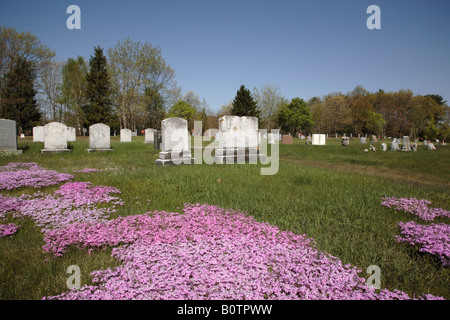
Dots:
pixel 29 174
pixel 414 206
pixel 433 239
pixel 209 253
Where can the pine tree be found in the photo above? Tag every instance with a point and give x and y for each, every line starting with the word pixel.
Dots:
pixel 98 109
pixel 243 104
pixel 18 101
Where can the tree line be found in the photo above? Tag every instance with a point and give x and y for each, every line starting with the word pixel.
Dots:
pixel 381 113
pixel 130 85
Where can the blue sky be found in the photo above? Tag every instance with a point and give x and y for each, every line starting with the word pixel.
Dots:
pixel 307 48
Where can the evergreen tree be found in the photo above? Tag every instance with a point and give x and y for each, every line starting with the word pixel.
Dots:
pixel 98 108
pixel 18 97
pixel 244 105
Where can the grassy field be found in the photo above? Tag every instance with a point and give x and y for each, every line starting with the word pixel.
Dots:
pixel 332 193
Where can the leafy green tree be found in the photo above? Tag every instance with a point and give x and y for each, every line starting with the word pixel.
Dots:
pixel 375 123
pixel 337 114
pixel 134 68
pixel 18 100
pixel 98 93
pixel 269 100
pixel 182 109
pixel 154 106
pixel 14 44
pixel 244 105
pixel 438 98
pixel 73 91
pixel 295 117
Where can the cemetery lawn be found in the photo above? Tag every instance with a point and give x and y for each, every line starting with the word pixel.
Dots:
pixel 330 193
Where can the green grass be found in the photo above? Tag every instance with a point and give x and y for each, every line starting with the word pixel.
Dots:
pixel 332 193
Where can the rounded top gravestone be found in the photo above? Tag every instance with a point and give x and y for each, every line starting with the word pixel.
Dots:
pixel 99 136
pixel 55 136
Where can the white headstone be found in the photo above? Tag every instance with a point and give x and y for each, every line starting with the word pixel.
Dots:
pixel 71 134
pixel 238 132
pixel 394 146
pixel 175 143
pixel 238 140
pixel 8 137
pixel 99 137
pixel 430 146
pixel 384 146
pixel 55 137
pixel 175 134
pixel 363 140
pixel 318 139
pixel 125 135
pixel 149 135
pixel 38 134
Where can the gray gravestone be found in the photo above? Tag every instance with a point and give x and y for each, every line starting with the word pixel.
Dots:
pixel 157 139
pixel 363 140
pixel 99 137
pixel 384 146
pixel 55 138
pixel 38 134
pixel 406 146
pixel 8 137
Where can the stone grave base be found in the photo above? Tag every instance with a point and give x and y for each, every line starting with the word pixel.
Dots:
pixel 165 159
pixel 98 150
pixel 238 155
pixel 55 150
pixel 10 152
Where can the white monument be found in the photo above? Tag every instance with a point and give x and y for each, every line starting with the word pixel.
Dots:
pixel 99 138
pixel 55 138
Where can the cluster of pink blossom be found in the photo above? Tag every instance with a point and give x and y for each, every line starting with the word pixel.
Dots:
pixel 88 170
pixel 417 207
pixel 209 253
pixel 16 175
pixel 72 202
pixel 8 229
pixel 434 238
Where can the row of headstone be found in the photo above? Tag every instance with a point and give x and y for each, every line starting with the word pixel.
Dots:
pixel 56 136
pixel 237 139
